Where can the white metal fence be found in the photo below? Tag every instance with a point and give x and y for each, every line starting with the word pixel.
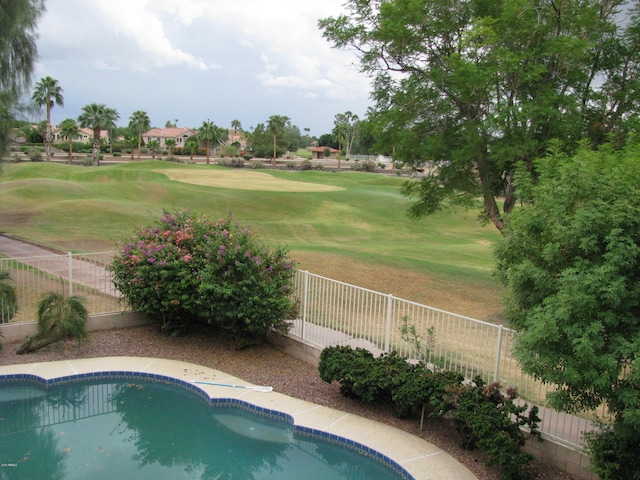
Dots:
pixel 336 313
pixel 331 313
pixel 84 275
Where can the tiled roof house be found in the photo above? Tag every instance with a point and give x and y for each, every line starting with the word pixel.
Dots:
pixel 161 135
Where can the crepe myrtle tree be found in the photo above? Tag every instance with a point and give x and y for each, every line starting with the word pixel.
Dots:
pixel 570 259
pixel 188 269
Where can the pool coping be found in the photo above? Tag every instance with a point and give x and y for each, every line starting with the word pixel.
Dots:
pixel 417 457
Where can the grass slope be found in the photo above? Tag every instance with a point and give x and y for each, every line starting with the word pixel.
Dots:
pixel 357 231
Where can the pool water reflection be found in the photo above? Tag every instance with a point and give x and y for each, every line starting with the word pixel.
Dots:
pixel 132 427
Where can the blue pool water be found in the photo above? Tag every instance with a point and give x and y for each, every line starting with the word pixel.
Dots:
pixel 136 428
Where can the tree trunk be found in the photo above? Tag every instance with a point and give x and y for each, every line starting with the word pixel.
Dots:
pixel 96 147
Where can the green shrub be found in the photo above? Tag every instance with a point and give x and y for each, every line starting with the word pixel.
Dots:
pixel 306 165
pixel 419 387
pixel 486 418
pixel 493 422
pixel 613 451
pixel 291 165
pixel 117 154
pixel 247 156
pixel 189 269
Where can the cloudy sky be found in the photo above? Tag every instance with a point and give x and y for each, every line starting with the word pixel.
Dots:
pixel 197 60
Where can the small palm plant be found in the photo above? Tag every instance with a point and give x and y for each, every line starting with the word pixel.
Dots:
pixel 8 298
pixel 59 317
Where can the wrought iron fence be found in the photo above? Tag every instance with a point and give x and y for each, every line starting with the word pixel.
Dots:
pixel 331 313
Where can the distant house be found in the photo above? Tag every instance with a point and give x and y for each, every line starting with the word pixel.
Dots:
pixel 318 153
pixel 161 135
pixel 86 135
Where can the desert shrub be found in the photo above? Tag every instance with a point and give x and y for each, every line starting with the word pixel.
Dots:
pixel 364 166
pixel 306 165
pixel 318 166
pixel 35 155
pixel 290 166
pixel 231 162
pixel 229 151
pixel 188 269
pixel 256 164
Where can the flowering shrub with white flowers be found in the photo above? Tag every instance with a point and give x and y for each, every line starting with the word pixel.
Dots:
pixel 188 269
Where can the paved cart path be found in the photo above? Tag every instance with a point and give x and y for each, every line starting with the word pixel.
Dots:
pixel 83 272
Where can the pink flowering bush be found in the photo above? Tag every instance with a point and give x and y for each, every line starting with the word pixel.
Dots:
pixel 188 269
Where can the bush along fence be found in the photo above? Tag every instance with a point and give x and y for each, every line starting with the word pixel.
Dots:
pixel 331 313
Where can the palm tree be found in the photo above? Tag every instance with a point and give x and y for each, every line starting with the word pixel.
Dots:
pixel 58 317
pixel 8 298
pixel 69 129
pixel 209 133
pixel 236 125
pixel 97 117
pixel 153 145
pixel 48 92
pixel 139 123
pixel 171 143
pixel 276 124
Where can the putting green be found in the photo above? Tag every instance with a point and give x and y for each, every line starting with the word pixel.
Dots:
pixel 243 180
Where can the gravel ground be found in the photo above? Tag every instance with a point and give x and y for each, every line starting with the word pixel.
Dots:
pixel 261 365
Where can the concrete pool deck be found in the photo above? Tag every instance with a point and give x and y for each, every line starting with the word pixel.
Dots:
pixel 420 458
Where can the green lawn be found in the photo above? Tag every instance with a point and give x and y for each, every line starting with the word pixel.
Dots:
pixel 358 232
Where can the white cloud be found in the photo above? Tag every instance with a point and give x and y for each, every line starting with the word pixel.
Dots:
pixel 245 56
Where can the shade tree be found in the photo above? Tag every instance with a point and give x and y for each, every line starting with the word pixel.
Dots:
pixel 138 123
pixel 476 87
pixel 570 259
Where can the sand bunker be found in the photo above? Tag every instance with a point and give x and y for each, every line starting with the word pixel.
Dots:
pixel 243 180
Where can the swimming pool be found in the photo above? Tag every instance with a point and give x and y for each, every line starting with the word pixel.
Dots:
pixel 281 418
pixel 133 427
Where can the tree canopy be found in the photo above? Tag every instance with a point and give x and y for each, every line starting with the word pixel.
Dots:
pixel 570 257
pixel 97 117
pixel 476 87
pixel 18 54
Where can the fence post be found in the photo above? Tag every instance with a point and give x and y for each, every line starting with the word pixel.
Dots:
pixel 496 371
pixel 70 274
pixel 305 299
pixel 387 336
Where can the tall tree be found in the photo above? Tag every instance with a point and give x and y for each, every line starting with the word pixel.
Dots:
pixel 69 129
pixel 171 143
pixel 97 117
pixel 210 134
pixel 18 53
pixel 236 125
pixel 138 123
pixel 477 87
pixel 570 258
pixel 276 124
pixel 48 93
pixel 346 130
